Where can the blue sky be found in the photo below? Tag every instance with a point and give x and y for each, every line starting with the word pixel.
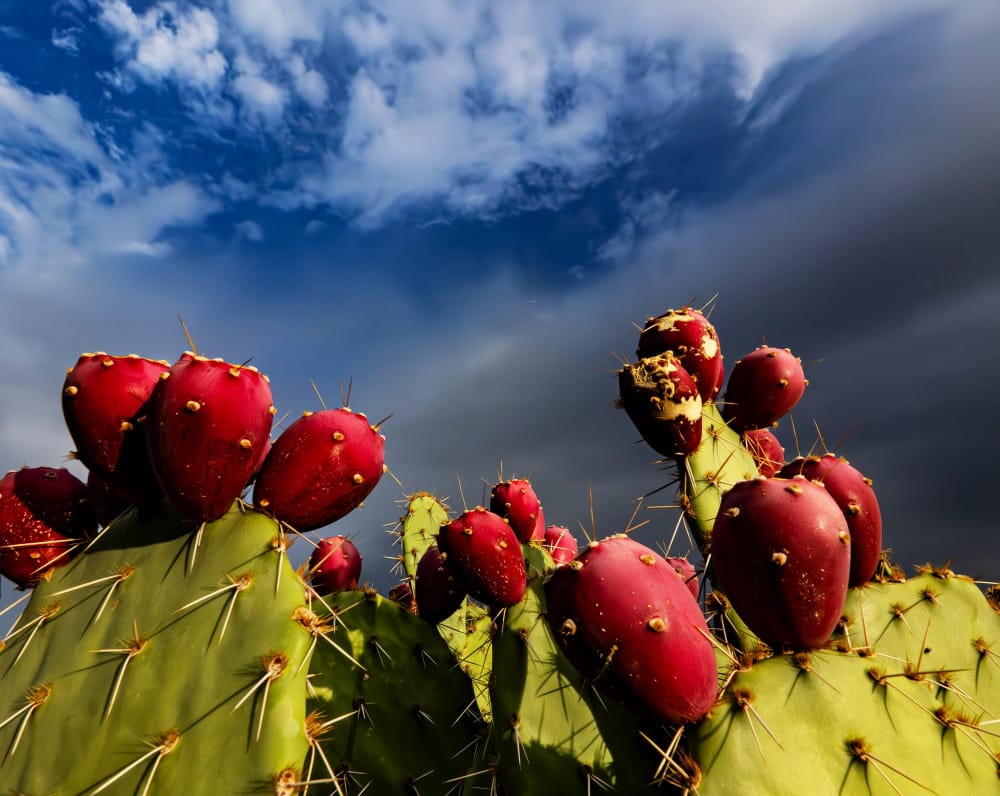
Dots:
pixel 462 208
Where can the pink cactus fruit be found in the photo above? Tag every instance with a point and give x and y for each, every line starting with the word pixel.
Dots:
pixel 854 495
pixel 561 544
pixel 44 515
pixel 662 400
pixel 438 594
pixel 693 340
pixel 768 453
pixel 781 552
pixel 763 387
pixel 685 569
pixel 335 565
pixel 321 468
pixel 105 401
pixel 629 624
pixel 208 422
pixel 484 556
pixel 516 502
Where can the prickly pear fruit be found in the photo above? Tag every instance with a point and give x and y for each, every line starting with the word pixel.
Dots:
pixel 335 565
pixel 43 516
pixel 693 340
pixel 629 624
pixel 763 387
pixel 767 451
pixel 662 400
pixel 516 502
pixel 853 493
pixel 484 555
pixel 321 468
pixel 438 594
pixel 207 424
pixel 782 554
pixel 687 573
pixel 105 401
pixel 561 544
pixel 104 500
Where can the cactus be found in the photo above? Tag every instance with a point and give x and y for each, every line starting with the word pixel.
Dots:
pixel 127 673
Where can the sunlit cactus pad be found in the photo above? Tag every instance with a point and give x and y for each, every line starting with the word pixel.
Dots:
pixel 162 661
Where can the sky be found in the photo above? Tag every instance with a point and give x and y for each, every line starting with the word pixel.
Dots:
pixel 463 209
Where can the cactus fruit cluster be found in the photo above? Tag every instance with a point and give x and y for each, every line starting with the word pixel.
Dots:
pixel 168 646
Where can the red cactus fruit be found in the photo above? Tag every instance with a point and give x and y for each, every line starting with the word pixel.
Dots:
pixel 561 544
pixel 693 340
pixel 43 515
pixel 516 502
pixel 402 593
pixel 321 468
pixel 662 400
pixel 629 624
pixel 768 453
pixel 105 500
pixel 485 557
pixel 685 569
pixel 105 400
pixel 438 594
pixel 782 554
pixel 856 498
pixel 763 387
pixel 334 566
pixel 208 423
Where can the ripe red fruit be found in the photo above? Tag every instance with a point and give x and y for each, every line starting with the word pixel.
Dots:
pixel 767 452
pixel 763 387
pixel 561 544
pixel 662 400
pixel 438 594
pixel 629 624
pixel 321 468
pixel 208 423
pixel 693 340
pixel 516 502
pixel 854 495
pixel 688 574
pixel 484 555
pixel 782 554
pixel 334 566
pixel 105 401
pixel 43 515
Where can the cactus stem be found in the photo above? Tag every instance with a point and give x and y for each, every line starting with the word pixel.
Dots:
pixel 968 727
pixel 235 586
pixel 666 755
pixel 280 546
pixel 35 698
pixel 858 747
pixel 744 701
pixel 166 744
pixel 129 650
pixel 274 664
pixel 121 574
pixel 47 613
pixel 380 651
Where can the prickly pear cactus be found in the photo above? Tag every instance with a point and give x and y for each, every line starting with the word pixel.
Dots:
pixel 160 661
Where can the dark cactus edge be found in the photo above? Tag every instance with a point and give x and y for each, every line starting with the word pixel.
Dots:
pixel 169 657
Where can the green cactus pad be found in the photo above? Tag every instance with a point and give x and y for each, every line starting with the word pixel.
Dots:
pixel 127 673
pixel 709 472
pixel 405 723
pixel 905 704
pixel 418 528
pixel 550 727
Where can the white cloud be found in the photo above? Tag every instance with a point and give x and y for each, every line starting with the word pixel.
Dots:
pixel 250 230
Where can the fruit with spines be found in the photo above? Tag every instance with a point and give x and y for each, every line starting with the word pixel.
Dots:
pixel 560 544
pixel 854 494
pixel 763 387
pixel 335 565
pixel 630 625
pixel 516 501
pixel 44 518
pixel 766 449
pixel 105 402
pixel 208 423
pixel 686 572
pixel 484 555
pixel 320 468
pixel 662 400
pixel 693 340
pixel 438 594
pixel 781 552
